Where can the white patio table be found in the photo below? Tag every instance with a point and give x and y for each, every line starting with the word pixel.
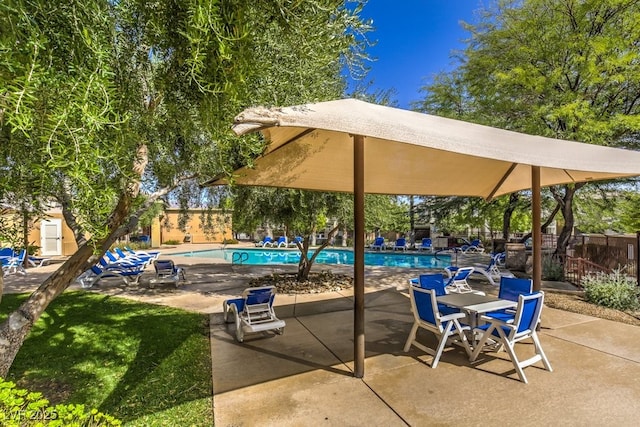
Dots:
pixel 475 304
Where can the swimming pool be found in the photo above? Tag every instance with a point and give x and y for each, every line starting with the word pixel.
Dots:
pixel 261 256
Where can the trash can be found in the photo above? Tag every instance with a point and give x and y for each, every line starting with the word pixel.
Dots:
pixel 498 245
pixel 516 256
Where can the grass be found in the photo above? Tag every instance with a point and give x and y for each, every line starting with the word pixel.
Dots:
pixel 144 364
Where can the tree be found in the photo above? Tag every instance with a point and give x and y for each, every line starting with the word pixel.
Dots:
pixel 559 68
pixel 108 106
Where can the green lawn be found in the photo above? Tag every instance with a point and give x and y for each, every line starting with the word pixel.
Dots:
pixel 144 364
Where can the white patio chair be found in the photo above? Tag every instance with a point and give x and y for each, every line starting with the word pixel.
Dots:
pixel 253 312
pixel 508 333
pixel 426 314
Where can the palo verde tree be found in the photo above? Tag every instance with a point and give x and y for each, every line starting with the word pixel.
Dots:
pixel 558 68
pixel 112 105
pixel 301 213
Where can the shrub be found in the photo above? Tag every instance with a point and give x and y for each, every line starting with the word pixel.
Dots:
pixel 172 242
pixel 231 241
pixel 19 407
pixel 614 290
pixel 552 269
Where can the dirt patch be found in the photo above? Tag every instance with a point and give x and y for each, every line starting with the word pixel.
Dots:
pixel 575 303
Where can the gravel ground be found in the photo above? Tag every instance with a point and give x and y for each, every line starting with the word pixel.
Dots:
pixel 575 303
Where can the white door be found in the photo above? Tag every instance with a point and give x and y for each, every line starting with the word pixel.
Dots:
pixel 51 237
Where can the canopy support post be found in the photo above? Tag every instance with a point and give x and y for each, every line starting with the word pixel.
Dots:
pixel 536 232
pixel 358 256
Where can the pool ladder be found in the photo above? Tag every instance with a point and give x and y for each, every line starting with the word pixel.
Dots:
pixel 237 258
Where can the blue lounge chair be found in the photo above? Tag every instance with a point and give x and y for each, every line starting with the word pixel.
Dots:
pixel 378 244
pixel 167 271
pixel 458 280
pixel 280 243
pixel 253 312
pixel 15 264
pixel 426 245
pixel 140 257
pixel 507 334
pixel 491 271
pixel 295 241
pixel 129 274
pixel 266 241
pixel 474 247
pixel 427 316
pixel 401 244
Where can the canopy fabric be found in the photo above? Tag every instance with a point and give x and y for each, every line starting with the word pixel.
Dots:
pixel 354 146
pixel 311 147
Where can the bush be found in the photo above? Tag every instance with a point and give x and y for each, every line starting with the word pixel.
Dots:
pixel 614 290
pixel 172 242
pixel 231 241
pixel 21 408
pixel 552 269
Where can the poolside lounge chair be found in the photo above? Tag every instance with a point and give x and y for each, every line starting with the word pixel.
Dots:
pixel 280 243
pixel 295 241
pixel 458 280
pixel 167 271
pixel 129 274
pixel 378 244
pixel 509 333
pixel 253 312
pixel 15 264
pixel 152 254
pixel 426 245
pixel 492 272
pixel 401 244
pixel 427 315
pixel 266 241
pixel 139 257
pixel 35 261
pixel 474 247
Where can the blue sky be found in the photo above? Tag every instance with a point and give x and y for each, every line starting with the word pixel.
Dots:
pixel 415 41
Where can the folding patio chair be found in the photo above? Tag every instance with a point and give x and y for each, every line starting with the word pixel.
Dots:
pixel 167 271
pixel 253 312
pixel 509 333
pixel 427 315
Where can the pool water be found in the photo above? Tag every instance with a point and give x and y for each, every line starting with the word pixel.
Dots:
pixel 261 256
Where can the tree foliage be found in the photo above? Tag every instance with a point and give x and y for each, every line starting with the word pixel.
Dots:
pixel 108 106
pixel 560 68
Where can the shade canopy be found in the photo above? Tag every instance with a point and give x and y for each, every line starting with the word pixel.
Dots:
pixel 354 146
pixel 311 147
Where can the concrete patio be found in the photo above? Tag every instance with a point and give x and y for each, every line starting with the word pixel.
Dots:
pixel 304 377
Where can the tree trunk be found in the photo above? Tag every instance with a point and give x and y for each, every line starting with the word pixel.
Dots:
pixel 345 235
pixel 566 207
pixel 508 212
pixel 305 264
pixel 15 329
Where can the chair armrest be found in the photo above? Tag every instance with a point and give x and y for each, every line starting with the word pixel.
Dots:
pixel 452 316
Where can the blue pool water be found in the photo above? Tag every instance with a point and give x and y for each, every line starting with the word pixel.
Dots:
pixel 261 256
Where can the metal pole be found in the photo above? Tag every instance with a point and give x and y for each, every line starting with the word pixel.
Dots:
pixel 358 256
pixel 537 225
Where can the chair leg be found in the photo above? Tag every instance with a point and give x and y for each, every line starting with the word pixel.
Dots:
pixel 411 337
pixel 239 330
pixel 485 337
pixel 509 347
pixel 538 347
pixel 444 337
